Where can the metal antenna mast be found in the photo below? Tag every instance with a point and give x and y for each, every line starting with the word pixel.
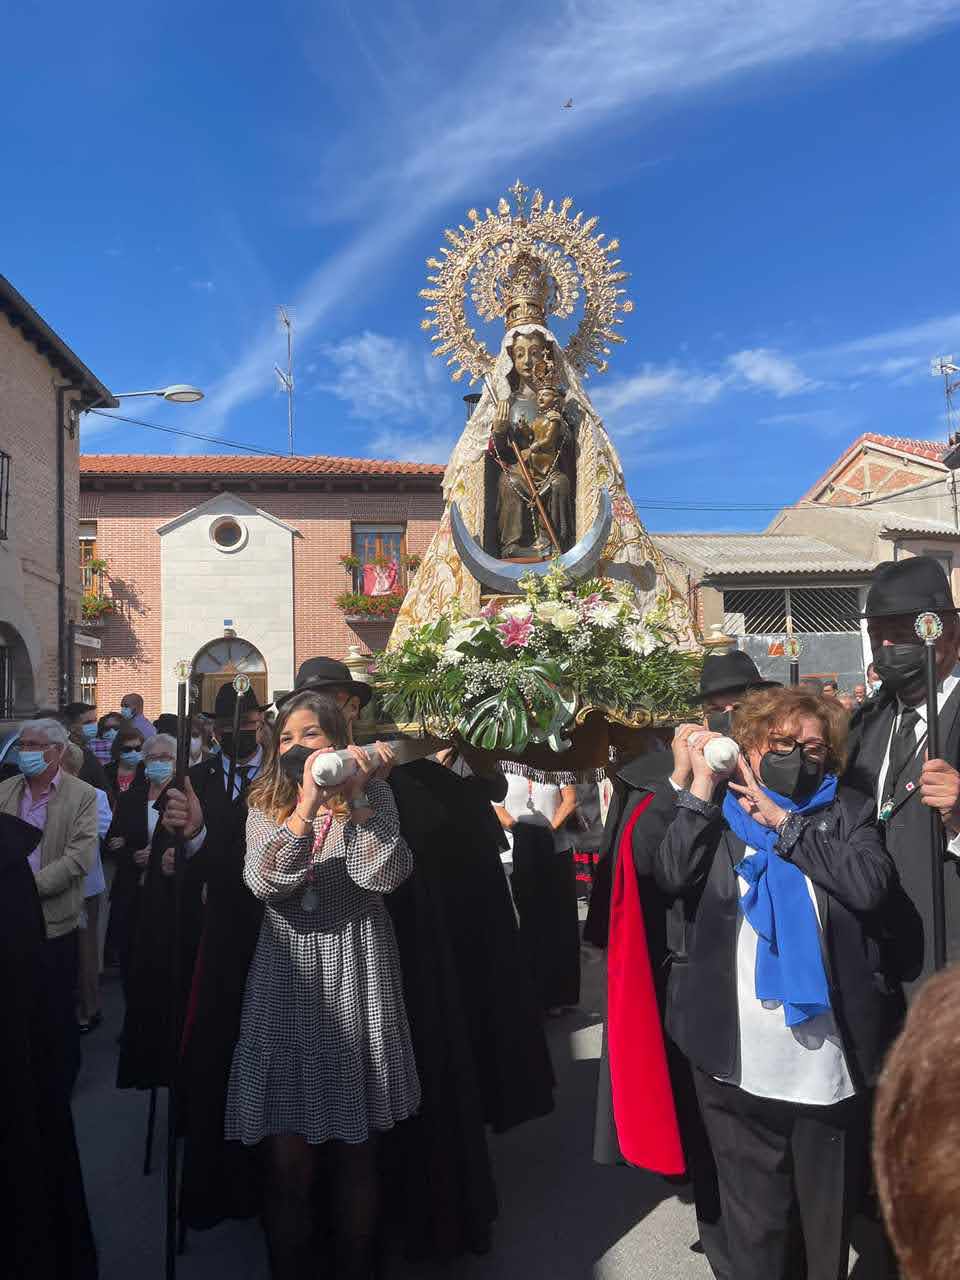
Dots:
pixel 947 368
pixel 286 375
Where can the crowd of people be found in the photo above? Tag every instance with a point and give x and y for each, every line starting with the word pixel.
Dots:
pixel 346 981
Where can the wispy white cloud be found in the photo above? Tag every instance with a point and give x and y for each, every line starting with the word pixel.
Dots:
pixel 412 446
pixel 770 370
pixel 612 57
pixel 653 385
pixel 383 377
pixel 928 336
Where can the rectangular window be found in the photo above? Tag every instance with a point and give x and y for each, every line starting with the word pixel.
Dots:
pixel 92 580
pixel 88 681
pixel 758 612
pixel 6 683
pixel 764 611
pixel 4 492
pixel 379 546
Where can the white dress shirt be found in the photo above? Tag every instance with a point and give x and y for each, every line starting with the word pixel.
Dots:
pixel 252 767
pixel 805 1064
pixel 950 683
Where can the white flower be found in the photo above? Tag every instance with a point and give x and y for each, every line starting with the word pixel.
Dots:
pixel 520 611
pixel 638 639
pixel 462 635
pixel 450 657
pixel 566 619
pixel 547 610
pixel 604 614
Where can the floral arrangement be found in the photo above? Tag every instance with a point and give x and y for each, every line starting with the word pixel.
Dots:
pixel 518 674
pixel 94 606
pixel 355 604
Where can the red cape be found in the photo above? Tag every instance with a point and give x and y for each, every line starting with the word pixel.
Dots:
pixel 643 1107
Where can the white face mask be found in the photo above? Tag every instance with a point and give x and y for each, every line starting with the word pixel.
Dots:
pixel 196 742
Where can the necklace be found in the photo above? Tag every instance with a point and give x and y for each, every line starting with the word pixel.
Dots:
pixel 311 897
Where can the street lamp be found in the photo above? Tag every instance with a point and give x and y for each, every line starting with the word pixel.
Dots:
pixel 177 392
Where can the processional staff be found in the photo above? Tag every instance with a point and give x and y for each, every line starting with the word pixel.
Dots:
pixel 929 628
pixel 179 865
pixel 792 648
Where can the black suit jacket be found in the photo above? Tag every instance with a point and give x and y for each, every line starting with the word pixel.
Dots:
pixel 853 878
pixel 907 831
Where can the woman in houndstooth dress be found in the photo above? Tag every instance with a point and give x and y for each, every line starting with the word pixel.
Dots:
pixel 324 1054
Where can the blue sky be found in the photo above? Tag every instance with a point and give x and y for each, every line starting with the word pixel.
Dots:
pixel 783 179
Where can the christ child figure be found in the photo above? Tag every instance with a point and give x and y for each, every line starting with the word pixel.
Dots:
pixel 548 430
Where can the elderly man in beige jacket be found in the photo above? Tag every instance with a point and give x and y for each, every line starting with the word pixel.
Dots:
pixel 65 810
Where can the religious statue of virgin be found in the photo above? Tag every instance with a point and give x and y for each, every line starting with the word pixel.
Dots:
pixel 534 479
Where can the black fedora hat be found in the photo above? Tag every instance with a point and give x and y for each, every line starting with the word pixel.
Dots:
pixel 917 585
pixel 731 673
pixel 227 697
pixel 319 674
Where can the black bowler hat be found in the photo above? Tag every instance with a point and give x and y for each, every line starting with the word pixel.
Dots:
pixel 731 673
pixel 227 696
pixel 317 675
pixel 918 585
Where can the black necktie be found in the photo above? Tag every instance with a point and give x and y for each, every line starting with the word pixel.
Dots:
pixel 245 777
pixel 903 748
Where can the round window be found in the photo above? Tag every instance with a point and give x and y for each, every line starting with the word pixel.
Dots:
pixel 228 534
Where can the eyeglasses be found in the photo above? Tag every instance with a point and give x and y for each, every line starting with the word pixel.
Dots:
pixel 815 752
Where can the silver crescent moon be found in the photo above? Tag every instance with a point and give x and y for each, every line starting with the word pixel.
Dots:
pixel 503 575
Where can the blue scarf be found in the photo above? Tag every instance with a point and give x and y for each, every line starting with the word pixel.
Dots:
pixel 778 908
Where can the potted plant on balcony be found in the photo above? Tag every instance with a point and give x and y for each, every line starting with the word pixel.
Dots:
pixel 358 607
pixel 95 607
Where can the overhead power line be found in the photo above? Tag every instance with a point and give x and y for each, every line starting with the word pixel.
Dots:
pixel 189 435
pixel 643 504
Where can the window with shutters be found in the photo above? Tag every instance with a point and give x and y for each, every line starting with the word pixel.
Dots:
pixel 763 611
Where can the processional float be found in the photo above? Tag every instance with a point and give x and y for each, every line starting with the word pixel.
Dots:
pixel 541 624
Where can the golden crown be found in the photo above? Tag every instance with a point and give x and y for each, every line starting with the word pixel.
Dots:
pixel 525 293
pixel 524 264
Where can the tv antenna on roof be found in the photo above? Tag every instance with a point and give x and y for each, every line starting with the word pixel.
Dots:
pixel 946 367
pixel 286 375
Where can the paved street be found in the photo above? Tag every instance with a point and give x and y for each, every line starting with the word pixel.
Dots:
pixel 561 1216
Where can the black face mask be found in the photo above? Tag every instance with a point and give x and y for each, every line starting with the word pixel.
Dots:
pixel 901 668
pixel 246 744
pixel 292 762
pixel 791 775
pixel 720 722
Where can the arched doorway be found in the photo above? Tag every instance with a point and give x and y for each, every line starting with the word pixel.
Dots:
pixel 16 674
pixel 218 662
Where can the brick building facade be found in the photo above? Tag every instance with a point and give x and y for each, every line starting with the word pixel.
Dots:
pixel 234 563
pixel 42 387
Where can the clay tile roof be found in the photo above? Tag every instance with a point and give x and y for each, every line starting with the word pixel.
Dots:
pixel 932 450
pixel 212 464
pixel 928 450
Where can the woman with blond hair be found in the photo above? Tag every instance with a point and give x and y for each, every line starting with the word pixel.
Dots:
pixel 780 993
pixel 324 1061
